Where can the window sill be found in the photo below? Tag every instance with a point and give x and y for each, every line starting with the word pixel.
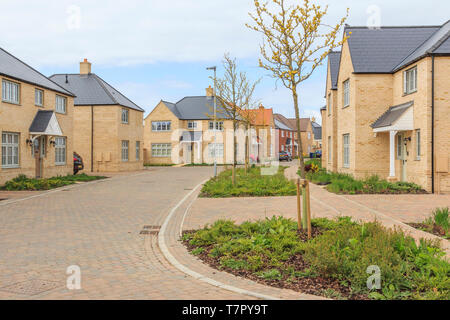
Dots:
pixel 10 167
pixel 161 131
pixel 60 164
pixel 59 112
pixel 346 106
pixel 13 103
pixel 409 93
pixel 417 159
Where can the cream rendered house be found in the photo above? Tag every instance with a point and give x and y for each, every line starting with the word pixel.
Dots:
pixel 183 133
pixel 388 105
pixel 108 127
pixel 36 123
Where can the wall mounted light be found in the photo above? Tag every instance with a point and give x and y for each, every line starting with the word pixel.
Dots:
pixel 52 143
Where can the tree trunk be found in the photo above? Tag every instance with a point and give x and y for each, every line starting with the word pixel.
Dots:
pixel 301 162
pixel 234 153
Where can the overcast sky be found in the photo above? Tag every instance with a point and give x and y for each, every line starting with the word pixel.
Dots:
pixel 152 50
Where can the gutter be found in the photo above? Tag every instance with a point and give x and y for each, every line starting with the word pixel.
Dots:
pixel 432 123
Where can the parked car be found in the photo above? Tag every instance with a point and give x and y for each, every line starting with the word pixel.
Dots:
pixel 77 163
pixel 285 156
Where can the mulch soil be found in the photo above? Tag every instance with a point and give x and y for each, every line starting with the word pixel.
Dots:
pixel 316 285
pixel 434 229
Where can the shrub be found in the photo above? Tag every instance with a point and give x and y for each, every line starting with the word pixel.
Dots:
pixel 249 184
pixel 342 252
pixel 22 182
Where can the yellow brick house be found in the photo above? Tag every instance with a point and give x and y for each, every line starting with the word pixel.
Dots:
pixel 184 133
pixel 388 105
pixel 36 123
pixel 108 127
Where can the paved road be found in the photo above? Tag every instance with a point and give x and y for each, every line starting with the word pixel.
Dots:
pixel 97 227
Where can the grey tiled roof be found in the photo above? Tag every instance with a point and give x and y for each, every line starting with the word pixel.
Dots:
pixel 92 90
pixel 197 108
pixel 444 47
pixel 41 120
pixel 391 115
pixel 429 46
pixel 317 130
pixel 382 50
pixel 281 125
pixel 12 67
pixel 334 59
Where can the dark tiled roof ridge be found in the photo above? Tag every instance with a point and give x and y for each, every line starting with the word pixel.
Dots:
pixel 27 65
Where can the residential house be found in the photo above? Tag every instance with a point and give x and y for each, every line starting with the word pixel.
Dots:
pixel 108 127
pixel 36 123
pixel 317 134
pixel 284 135
pixel 388 105
pixel 185 132
pixel 306 134
pixel 262 135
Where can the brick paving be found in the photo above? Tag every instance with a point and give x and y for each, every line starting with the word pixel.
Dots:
pixel 97 227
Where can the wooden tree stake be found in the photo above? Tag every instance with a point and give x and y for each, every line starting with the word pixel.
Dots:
pixel 299 208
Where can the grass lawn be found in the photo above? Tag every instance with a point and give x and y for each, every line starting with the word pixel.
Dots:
pixel 251 184
pixel 438 223
pixel 333 264
pixel 22 183
pixel 346 184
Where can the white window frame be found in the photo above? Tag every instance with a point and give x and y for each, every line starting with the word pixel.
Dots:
pixel 60 104
pixel 410 80
pixel 282 133
pixel 138 150
pixel 399 146
pixel 10 150
pixel 346 93
pixel 60 151
pixel 161 150
pixel 38 97
pixel 161 126
pixel 125 150
pixel 418 144
pixel 219 126
pixel 125 116
pixel 346 150
pixel 218 147
pixel 330 155
pixel 192 125
pixel 10 92
pixel 329 104
pixel 309 135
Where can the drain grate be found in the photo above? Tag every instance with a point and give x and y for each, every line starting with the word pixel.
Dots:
pixel 31 287
pixel 147 232
pixel 152 227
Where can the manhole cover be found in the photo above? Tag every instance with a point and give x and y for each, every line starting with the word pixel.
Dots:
pixel 31 287
pixel 147 232
pixel 152 227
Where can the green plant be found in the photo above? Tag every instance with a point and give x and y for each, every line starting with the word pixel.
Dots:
pixel 252 183
pixel 22 182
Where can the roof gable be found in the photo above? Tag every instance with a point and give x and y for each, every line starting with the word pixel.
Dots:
pixel 334 60
pixel 12 67
pixel 46 123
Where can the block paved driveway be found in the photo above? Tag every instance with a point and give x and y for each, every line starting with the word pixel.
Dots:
pixel 97 227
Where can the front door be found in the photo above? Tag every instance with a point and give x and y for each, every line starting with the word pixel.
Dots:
pixel 402 152
pixel 39 155
pixel 188 154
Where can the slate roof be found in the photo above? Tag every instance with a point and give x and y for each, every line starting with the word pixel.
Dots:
pixel 334 59
pixel 281 125
pixel 317 130
pixel 391 115
pixel 283 120
pixel 90 90
pixel 41 121
pixel 388 49
pixel 197 108
pixel 12 67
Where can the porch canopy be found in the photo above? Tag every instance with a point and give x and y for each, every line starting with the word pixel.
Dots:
pixel 45 123
pixel 192 137
pixel 395 119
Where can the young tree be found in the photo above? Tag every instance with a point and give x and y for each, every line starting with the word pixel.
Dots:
pixel 295 43
pixel 235 92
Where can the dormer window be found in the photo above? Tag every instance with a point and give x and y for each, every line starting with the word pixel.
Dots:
pixel 410 81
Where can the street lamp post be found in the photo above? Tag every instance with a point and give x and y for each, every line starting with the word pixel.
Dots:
pixel 215 120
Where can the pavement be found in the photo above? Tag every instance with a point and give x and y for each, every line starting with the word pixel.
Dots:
pixel 110 230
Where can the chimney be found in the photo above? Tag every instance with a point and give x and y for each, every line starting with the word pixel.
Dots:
pixel 261 107
pixel 85 67
pixel 209 92
pixel 313 119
